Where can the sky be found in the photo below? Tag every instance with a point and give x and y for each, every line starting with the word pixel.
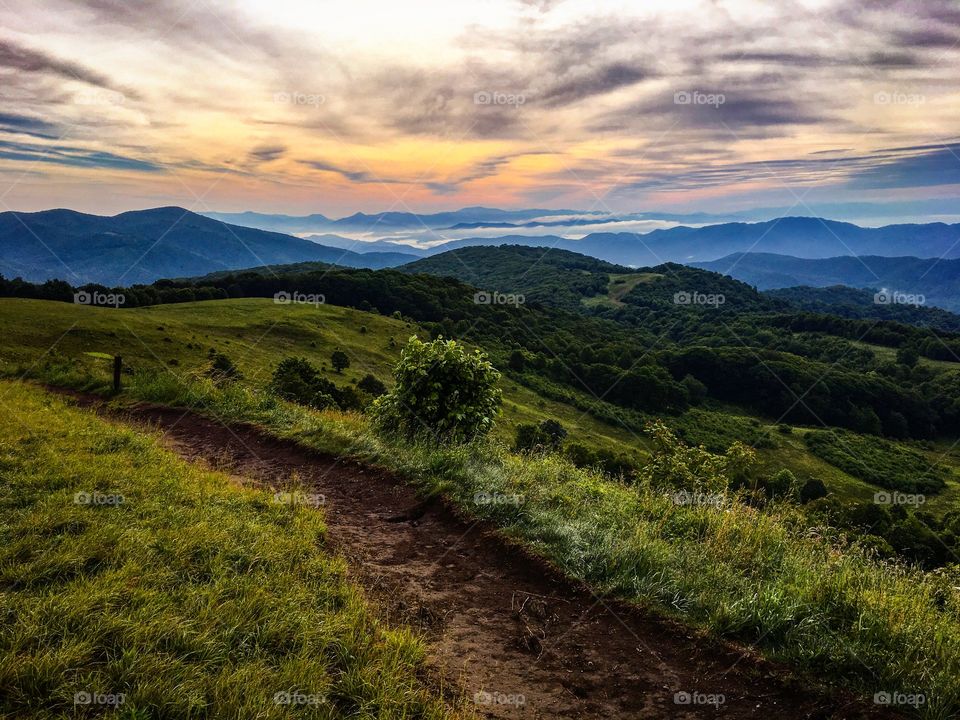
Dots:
pixel 283 106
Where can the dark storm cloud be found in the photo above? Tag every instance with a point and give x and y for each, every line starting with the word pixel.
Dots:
pixel 23 124
pixel 73 157
pixel 357 176
pixel 23 59
pixel 267 153
pixel 488 167
pixel 596 82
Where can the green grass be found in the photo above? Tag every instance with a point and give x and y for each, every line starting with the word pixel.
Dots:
pixel 192 598
pixel 761 578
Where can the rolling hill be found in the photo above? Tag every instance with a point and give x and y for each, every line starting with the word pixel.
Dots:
pixel 143 246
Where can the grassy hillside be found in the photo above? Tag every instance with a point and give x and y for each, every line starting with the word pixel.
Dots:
pixel 761 577
pixel 256 334
pixel 131 581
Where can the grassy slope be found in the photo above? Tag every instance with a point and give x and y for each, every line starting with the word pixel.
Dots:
pixel 256 334
pixel 761 578
pixel 193 597
pixel 738 573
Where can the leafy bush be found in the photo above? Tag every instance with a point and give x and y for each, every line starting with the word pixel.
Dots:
pixel 442 390
pixel 296 380
pixel 676 464
pixel 613 464
pixel 782 485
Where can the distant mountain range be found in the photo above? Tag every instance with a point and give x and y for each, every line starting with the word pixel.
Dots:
pixel 805 237
pixel 800 237
pixel 938 281
pixel 387 222
pixel 797 236
pixel 146 245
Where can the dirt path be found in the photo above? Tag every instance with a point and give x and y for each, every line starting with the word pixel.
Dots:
pixel 499 623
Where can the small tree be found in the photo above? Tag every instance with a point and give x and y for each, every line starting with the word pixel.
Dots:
pixel 441 390
pixel 339 360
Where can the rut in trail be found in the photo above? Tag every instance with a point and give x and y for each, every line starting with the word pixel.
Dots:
pixel 499 624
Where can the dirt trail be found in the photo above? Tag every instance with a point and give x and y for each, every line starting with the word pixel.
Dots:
pixel 499 623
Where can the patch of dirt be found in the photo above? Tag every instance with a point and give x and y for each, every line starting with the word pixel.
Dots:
pixel 500 624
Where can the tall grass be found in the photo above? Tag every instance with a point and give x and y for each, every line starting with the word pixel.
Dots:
pixel 173 588
pixel 759 577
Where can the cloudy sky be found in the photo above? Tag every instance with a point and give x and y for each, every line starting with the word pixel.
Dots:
pixel 315 106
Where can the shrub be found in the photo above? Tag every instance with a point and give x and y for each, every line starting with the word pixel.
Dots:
pixel 695 389
pixel 548 435
pixel 440 389
pixel 812 489
pixel 296 380
pixel 783 485
pixel 222 368
pixel 372 386
pixel 339 360
pixel 676 464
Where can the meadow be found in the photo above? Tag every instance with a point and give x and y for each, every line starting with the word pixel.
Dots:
pixel 136 584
